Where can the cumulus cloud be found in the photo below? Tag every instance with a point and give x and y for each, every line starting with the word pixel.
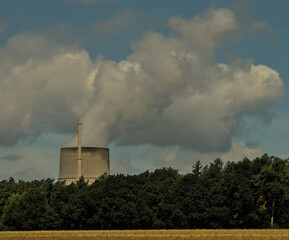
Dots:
pixel 42 85
pixel 240 150
pixel 169 91
pixel 245 13
pixel 176 158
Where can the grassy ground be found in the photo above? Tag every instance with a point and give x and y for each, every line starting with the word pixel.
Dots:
pixel 149 235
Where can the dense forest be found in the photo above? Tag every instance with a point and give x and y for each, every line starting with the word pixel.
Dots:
pixel 244 194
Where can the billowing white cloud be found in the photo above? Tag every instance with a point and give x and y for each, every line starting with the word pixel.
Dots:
pixel 42 86
pixel 169 91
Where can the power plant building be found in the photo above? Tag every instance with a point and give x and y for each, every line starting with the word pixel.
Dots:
pixel 89 162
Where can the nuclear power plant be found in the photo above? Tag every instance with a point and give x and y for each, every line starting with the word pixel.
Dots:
pixel 89 162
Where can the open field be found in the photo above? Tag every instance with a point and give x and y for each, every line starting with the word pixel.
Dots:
pixel 148 235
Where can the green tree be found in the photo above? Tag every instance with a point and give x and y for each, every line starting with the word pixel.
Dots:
pixel 29 211
pixel 240 194
pixel 272 184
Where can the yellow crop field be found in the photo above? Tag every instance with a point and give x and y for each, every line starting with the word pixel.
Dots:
pixel 149 235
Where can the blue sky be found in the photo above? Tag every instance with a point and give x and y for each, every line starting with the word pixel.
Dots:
pixel 162 83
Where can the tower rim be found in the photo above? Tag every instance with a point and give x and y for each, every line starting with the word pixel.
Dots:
pixel 84 147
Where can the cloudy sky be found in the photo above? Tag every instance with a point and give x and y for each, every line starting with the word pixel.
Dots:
pixel 161 83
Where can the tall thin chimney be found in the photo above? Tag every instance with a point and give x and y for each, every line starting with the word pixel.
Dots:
pixel 79 150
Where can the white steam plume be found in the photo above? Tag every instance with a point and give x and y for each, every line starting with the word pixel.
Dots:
pixel 169 91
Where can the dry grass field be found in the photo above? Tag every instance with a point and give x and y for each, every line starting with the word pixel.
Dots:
pixel 149 235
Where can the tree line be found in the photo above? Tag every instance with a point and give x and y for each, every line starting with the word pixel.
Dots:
pixel 245 194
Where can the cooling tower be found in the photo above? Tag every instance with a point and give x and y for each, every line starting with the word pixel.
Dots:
pixel 94 163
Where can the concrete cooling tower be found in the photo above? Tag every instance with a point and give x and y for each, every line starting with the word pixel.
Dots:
pixel 95 162
pixel 89 162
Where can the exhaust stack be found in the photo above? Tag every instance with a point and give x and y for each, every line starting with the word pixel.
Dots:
pixel 79 151
pixel 82 161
